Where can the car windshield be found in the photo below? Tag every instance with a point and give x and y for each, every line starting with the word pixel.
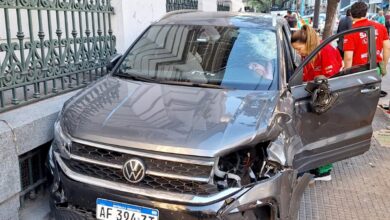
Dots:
pixel 209 56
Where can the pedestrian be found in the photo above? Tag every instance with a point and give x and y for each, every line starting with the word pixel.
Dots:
pixel 356 44
pixel 387 21
pixel 291 20
pixel 381 18
pixel 327 62
pixel 344 24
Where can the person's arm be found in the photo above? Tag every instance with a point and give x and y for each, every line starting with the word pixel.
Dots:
pixel 386 51
pixel 330 61
pixel 349 47
pixel 348 56
pixel 386 56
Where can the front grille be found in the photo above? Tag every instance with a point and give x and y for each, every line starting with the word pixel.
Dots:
pixel 162 166
pixel 150 182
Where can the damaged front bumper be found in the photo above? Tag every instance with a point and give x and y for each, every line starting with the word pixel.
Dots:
pixel 277 197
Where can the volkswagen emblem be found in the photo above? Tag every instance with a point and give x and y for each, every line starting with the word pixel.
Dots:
pixel 134 170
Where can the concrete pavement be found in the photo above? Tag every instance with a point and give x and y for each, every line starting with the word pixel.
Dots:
pixel 360 186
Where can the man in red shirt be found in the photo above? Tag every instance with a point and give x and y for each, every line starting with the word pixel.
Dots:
pixel 356 44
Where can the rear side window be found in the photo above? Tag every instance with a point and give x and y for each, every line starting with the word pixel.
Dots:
pixel 232 57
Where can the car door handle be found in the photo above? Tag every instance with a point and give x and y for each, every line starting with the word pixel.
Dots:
pixel 369 89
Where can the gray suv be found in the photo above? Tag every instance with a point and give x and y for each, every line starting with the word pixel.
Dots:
pixel 206 117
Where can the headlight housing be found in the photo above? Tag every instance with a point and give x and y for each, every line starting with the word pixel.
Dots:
pixel 61 142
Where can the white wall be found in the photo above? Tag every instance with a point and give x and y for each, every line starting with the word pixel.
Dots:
pixel 132 17
pixel 237 5
pixel 207 5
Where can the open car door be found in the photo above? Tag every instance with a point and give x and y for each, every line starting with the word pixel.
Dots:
pixel 344 130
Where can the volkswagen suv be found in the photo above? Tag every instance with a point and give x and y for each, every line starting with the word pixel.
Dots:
pixel 206 117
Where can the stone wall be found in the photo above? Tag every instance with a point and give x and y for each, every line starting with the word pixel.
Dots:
pixel 22 130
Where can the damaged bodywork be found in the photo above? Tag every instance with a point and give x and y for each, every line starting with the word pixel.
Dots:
pixel 198 146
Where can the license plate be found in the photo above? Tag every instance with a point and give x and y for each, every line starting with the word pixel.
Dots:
pixel 111 210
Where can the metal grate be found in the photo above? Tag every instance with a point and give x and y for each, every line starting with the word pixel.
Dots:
pixel 173 5
pixel 51 46
pixel 33 172
pixel 222 7
pixel 150 182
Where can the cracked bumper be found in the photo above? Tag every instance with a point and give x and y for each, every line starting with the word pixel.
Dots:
pixel 274 198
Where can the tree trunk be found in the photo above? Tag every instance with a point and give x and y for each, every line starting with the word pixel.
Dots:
pixel 330 15
pixel 316 13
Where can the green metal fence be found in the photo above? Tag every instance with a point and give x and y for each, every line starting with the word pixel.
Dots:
pixel 173 5
pixel 222 7
pixel 49 47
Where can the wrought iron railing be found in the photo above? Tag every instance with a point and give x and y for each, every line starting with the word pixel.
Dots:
pixel 222 7
pixel 51 46
pixel 173 5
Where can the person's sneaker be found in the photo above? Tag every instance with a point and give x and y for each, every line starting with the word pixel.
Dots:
pixel 323 177
pixel 383 94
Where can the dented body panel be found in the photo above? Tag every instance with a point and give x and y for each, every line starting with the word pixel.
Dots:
pixel 168 118
pixel 207 152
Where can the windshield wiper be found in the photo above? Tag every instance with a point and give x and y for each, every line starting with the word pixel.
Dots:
pixel 135 77
pixel 192 84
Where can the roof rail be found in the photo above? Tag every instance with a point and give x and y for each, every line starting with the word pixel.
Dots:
pixel 182 11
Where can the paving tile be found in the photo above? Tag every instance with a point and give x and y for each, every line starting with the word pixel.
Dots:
pixel 360 186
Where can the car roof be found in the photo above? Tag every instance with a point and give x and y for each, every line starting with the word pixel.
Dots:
pixel 235 19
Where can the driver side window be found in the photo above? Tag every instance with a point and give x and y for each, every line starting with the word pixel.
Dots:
pixel 324 59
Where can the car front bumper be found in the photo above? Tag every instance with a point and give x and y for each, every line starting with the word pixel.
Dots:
pixel 274 198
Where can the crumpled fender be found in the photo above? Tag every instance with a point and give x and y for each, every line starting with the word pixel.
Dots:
pixel 284 189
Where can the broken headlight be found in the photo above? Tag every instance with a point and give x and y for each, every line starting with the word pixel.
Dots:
pixel 242 167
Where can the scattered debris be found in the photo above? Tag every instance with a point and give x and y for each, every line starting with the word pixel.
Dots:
pixel 383 137
pixel 371 164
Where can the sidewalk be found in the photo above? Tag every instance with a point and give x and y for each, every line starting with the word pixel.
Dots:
pixel 360 186
pixel 386 87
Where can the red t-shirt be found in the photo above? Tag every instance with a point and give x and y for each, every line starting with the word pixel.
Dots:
pixel 327 63
pixel 358 42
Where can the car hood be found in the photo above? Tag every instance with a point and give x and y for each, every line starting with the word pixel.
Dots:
pixel 168 118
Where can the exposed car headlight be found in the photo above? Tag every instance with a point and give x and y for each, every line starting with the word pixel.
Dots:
pixel 62 142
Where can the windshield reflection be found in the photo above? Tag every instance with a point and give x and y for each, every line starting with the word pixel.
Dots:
pixel 230 57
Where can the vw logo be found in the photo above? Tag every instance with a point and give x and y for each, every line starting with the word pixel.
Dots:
pixel 134 170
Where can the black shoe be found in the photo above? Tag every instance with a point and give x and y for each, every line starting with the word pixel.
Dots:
pixel 383 94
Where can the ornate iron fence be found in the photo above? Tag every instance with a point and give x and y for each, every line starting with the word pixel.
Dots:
pixel 51 46
pixel 222 7
pixel 173 5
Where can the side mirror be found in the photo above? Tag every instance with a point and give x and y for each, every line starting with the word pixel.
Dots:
pixel 318 80
pixel 112 61
pixel 322 98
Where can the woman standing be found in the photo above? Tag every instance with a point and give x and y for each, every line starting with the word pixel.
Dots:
pixel 327 62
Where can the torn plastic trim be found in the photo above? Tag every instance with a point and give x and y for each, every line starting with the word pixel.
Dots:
pixel 283 188
pixel 223 174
